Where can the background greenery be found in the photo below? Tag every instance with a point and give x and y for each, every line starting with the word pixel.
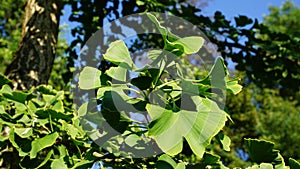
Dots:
pixel 267 63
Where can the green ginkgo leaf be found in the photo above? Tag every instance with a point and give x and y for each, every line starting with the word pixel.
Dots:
pixel 4 80
pixel 165 162
pixel 225 141
pixel 191 44
pixel 294 164
pixel 180 166
pixel 163 31
pixel 261 151
pixel 118 54
pixel 23 132
pixel 142 82
pixel 234 87
pixel 89 78
pixel 168 128
pixel 118 73
pixel 59 163
pixel 41 143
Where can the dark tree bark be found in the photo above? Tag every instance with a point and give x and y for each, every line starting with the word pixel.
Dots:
pixel 33 60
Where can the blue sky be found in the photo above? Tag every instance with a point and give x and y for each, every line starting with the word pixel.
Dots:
pixel 251 8
pixel 230 8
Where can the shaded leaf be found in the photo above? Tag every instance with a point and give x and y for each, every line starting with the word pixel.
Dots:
pixel 242 20
pixel 142 82
pixel 45 89
pixel 17 96
pixel 165 162
pixel 26 162
pixel 22 145
pixel 44 114
pixel 261 151
pixel 4 80
pixel 210 159
pixel 294 164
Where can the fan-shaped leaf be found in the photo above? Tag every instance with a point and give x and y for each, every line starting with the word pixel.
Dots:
pixel 89 78
pixel 168 128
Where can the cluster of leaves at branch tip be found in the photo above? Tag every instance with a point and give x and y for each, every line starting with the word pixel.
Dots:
pixel 170 122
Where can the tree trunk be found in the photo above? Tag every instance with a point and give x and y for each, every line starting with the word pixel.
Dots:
pixel 34 58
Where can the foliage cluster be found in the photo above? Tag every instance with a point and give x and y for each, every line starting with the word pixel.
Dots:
pixel 10 30
pixel 39 131
pixel 257 112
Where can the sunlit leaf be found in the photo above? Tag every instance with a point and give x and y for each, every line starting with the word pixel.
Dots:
pixel 70 129
pixel 59 107
pixel 58 163
pixel 163 31
pixel 119 73
pixel 180 166
pixel 132 140
pixel 83 164
pixel 190 44
pixel 225 141
pixel 23 132
pixel 261 166
pixel 6 89
pixel 20 106
pixel 168 128
pixel 41 143
pixel 234 87
pixel 118 54
pixel 89 78
pixel 82 110
pixel 140 3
